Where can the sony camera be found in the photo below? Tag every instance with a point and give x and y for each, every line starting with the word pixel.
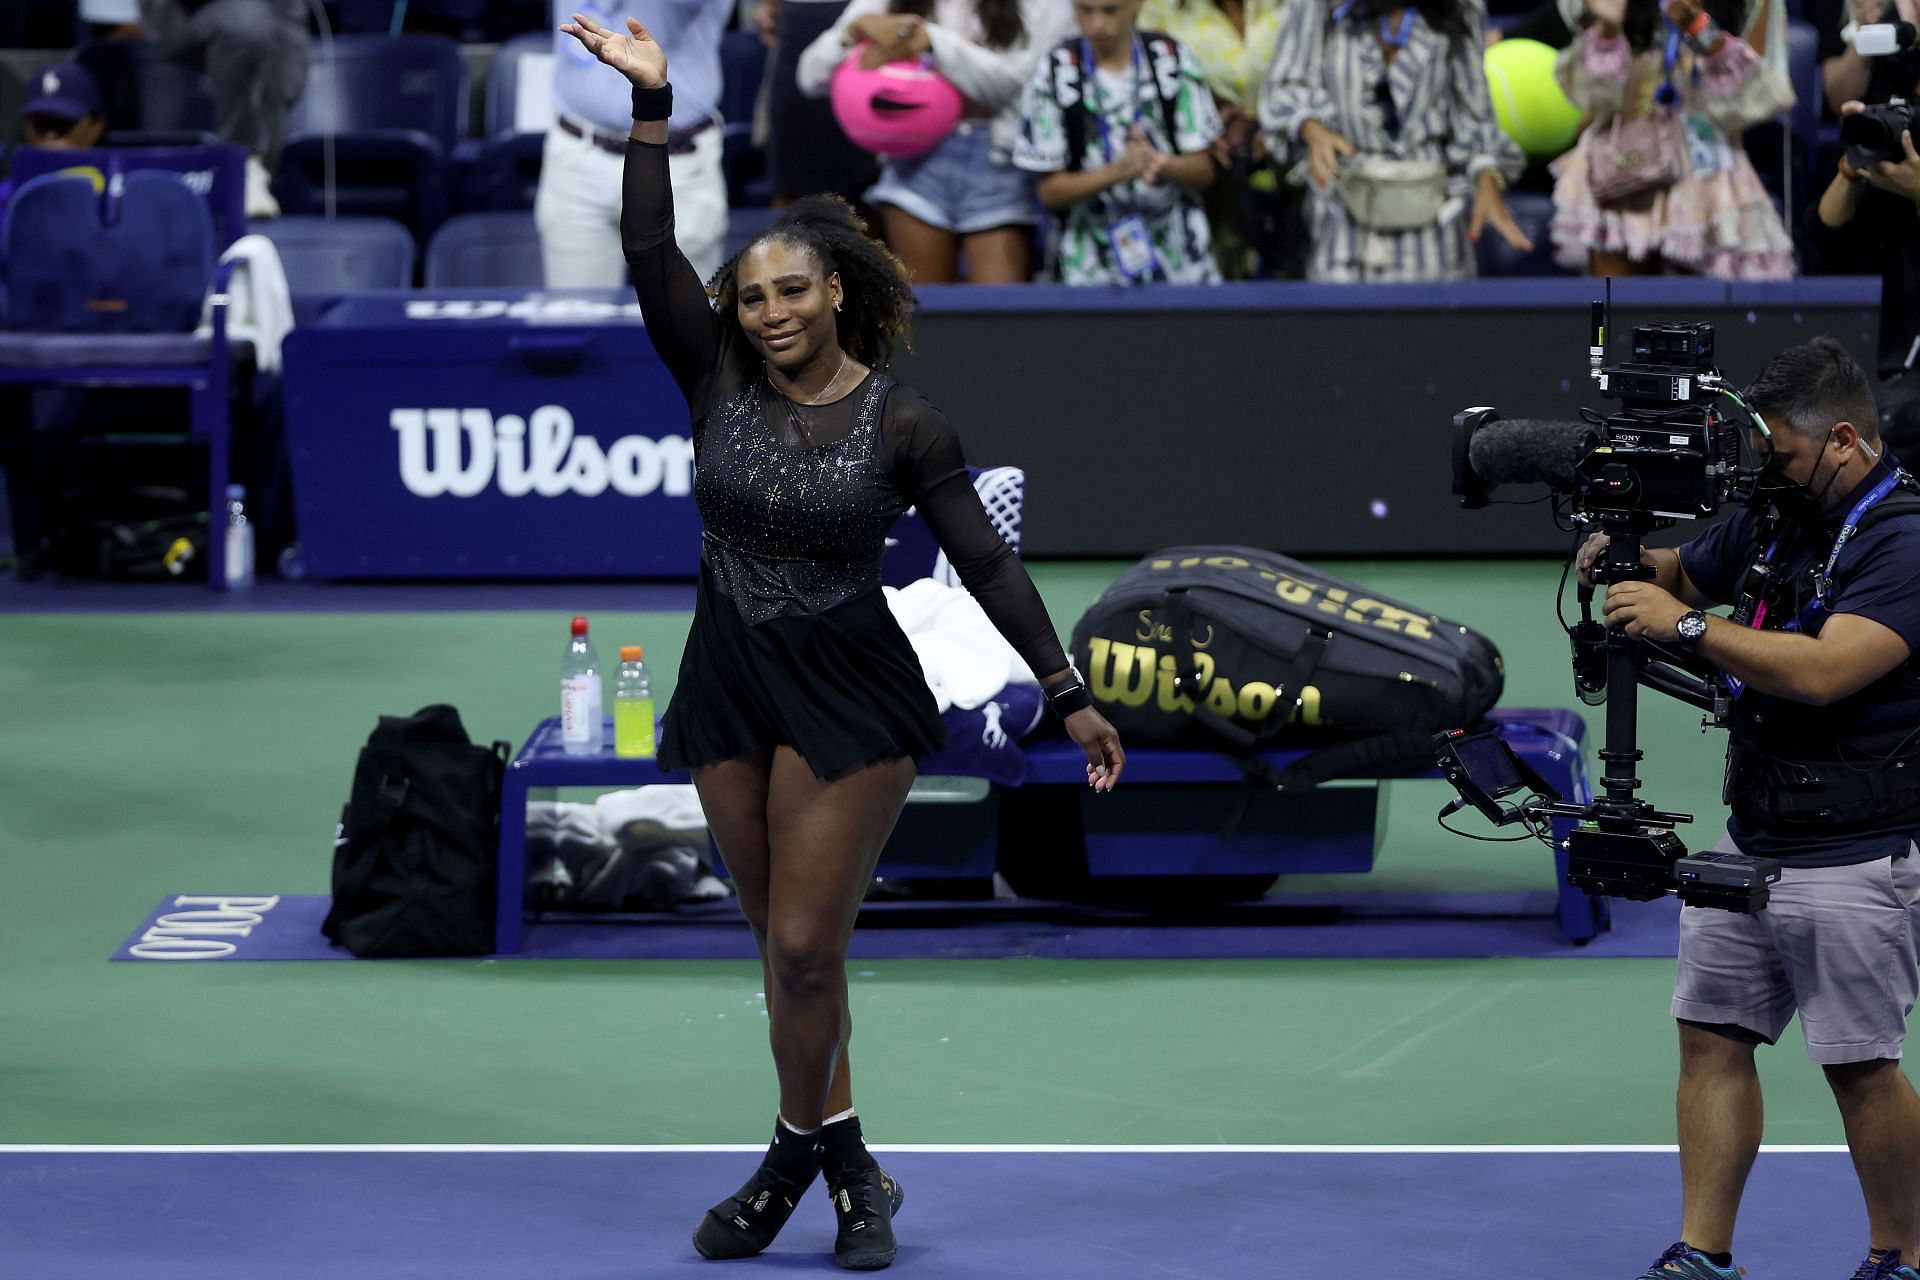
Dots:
pixel 1669 452
pixel 1873 135
pixel 1666 453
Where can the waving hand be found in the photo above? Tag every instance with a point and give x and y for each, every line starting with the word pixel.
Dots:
pixel 637 56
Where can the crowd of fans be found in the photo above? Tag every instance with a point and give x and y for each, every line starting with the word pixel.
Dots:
pixel 1125 142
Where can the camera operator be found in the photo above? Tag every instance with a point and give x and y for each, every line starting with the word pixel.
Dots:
pixel 1824 775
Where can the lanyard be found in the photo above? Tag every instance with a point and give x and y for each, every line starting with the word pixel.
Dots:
pixel 1091 77
pixel 1823 581
pixel 1666 95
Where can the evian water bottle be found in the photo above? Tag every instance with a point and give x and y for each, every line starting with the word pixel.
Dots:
pixel 581 730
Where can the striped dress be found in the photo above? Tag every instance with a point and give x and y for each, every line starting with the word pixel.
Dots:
pixel 1334 72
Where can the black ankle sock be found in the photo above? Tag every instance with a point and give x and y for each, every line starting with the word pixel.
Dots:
pixel 1718 1259
pixel 793 1155
pixel 843 1150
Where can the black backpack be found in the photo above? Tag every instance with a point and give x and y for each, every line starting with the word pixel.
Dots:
pixel 1240 650
pixel 414 864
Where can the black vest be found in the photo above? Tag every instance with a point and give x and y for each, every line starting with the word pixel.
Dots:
pixel 1799 775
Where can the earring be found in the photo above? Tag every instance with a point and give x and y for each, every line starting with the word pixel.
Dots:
pixel 836 304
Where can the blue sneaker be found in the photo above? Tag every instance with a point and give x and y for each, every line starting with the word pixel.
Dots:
pixel 1682 1261
pixel 1885 1265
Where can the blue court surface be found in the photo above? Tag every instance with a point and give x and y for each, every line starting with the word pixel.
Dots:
pixel 479 1213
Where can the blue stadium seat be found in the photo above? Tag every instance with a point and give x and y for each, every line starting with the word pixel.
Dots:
pixel 395 108
pixel 503 79
pixel 80 261
pixel 505 174
pixel 486 250
pixel 743 61
pixel 106 283
pixel 1533 212
pixel 334 255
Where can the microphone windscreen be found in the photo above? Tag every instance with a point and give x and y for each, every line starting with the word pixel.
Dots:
pixel 1529 451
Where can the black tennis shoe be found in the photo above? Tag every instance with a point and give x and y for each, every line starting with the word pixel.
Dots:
pixel 746 1222
pixel 865 1202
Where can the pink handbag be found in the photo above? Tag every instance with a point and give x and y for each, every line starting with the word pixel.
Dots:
pixel 1636 156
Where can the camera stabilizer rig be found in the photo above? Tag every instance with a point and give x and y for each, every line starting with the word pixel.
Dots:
pixel 1668 454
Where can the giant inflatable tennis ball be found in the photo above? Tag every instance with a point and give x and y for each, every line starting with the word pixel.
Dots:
pixel 1527 99
pixel 897 109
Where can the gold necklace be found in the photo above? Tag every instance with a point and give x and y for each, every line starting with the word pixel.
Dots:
pixel 794 420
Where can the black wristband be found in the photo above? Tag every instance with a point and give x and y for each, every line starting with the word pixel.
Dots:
pixel 1067 697
pixel 652 104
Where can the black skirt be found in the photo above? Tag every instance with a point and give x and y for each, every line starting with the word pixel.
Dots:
pixel 843 687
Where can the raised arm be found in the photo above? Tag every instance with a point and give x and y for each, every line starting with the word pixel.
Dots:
pixel 680 322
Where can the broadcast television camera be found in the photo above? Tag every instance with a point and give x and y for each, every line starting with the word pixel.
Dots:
pixel 1670 452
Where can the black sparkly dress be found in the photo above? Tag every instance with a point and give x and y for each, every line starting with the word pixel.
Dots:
pixel 792 641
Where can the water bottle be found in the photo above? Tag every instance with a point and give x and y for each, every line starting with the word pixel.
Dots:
pixel 633 707
pixel 581 730
pixel 239 540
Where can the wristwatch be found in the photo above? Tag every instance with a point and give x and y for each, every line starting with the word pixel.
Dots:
pixel 1691 626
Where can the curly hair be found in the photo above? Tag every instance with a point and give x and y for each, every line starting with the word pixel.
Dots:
pixel 877 307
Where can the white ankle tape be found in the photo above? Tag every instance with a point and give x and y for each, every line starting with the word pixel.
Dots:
pixel 805 1133
pixel 844 1115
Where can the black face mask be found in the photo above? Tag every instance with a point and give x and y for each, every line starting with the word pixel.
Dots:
pixel 1804 503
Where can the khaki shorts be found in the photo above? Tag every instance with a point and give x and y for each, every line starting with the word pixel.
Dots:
pixel 1839 944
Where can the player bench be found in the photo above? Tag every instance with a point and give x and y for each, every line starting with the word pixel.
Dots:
pixel 1176 813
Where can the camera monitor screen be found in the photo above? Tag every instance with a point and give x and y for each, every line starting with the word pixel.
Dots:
pixel 1489 763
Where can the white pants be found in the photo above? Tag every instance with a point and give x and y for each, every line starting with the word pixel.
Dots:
pixel 577 210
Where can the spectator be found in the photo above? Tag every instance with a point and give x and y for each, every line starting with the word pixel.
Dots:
pixel 1848 77
pixel 807 152
pixel 1388 120
pixel 1121 129
pixel 1868 223
pixel 1232 43
pixel 1709 214
pixel 577 207
pixel 253 54
pixel 965 195
pixel 63 112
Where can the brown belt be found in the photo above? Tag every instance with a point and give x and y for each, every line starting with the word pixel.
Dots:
pixel 679 142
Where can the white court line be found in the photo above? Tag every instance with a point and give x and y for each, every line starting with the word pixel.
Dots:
pixel 481 1148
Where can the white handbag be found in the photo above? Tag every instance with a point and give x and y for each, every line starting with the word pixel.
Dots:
pixel 1385 194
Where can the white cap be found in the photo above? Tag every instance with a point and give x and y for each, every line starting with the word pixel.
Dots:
pixel 109 12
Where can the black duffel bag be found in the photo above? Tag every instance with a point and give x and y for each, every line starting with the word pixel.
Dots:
pixel 415 861
pixel 1239 650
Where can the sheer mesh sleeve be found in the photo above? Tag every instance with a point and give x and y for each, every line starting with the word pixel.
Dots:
pixel 680 322
pixel 925 460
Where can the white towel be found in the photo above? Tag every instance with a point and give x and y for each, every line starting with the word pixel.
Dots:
pixel 966 659
pixel 259 305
